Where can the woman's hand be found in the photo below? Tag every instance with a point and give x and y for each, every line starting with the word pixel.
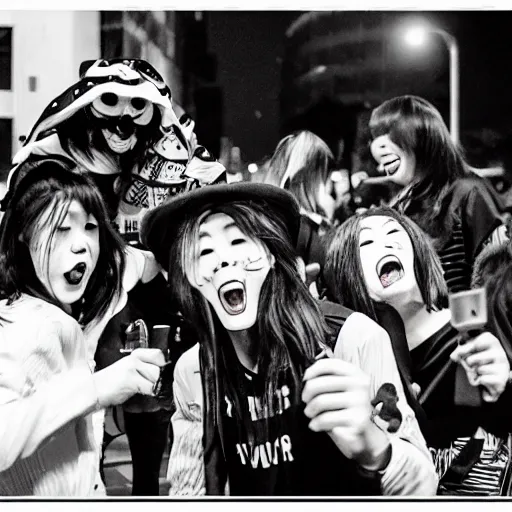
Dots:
pixel 337 400
pixel 486 364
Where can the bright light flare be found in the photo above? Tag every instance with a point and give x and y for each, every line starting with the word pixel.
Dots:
pixel 252 168
pixel 416 36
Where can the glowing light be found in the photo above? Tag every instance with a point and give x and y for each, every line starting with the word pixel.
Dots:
pixel 252 168
pixel 416 36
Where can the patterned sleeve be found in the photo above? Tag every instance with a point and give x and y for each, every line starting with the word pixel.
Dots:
pixel 185 471
pixel 410 472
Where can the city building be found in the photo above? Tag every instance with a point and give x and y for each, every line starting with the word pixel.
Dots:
pixel 40 54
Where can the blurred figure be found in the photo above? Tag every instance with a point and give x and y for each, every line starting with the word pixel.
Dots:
pixel 457 209
pixel 302 164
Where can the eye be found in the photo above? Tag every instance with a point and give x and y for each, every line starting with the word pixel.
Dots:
pixel 138 103
pixel 238 241
pixel 110 99
pixel 91 226
pixel 62 229
pixel 393 231
pixel 366 242
pixel 205 252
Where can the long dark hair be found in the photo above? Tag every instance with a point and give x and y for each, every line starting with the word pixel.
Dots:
pixel 344 274
pixel 289 328
pixel 417 127
pixel 50 185
pixel 301 162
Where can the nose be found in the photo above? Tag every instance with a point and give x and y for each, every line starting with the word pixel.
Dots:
pixel 392 245
pixel 222 264
pixel 78 245
pixel 125 126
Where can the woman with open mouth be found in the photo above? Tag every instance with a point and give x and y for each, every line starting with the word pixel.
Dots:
pixel 262 410
pixel 63 272
pixel 457 208
pixel 381 256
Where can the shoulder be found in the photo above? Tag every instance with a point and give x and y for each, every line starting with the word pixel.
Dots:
pixel 471 185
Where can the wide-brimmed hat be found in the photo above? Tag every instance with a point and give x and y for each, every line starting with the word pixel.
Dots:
pixel 160 225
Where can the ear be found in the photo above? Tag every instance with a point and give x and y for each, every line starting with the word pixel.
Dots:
pixel 272 260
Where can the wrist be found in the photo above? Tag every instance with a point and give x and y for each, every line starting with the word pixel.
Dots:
pixel 377 452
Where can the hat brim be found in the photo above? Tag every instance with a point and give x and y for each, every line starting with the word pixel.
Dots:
pixel 160 226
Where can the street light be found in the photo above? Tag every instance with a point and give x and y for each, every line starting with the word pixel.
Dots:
pixel 416 36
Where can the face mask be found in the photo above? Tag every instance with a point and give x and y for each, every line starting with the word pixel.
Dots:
pixel 230 270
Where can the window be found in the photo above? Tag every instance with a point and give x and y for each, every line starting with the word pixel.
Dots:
pixel 5 58
pixel 5 147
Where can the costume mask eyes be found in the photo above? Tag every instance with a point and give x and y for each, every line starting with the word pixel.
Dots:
pixel 111 105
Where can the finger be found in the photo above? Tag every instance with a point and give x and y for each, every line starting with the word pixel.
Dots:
pixel 145 387
pixel 487 369
pixel 148 371
pixel 481 358
pixel 326 384
pixel 330 366
pixel 331 419
pixel 492 381
pixel 332 402
pixel 149 355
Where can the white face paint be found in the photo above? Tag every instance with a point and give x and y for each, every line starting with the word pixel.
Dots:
pixel 398 165
pixel 230 271
pixel 387 260
pixel 65 260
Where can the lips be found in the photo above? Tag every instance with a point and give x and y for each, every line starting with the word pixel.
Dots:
pixel 76 274
pixel 390 270
pixel 390 164
pixel 119 144
pixel 232 296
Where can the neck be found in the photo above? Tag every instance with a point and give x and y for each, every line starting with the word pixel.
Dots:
pixel 245 349
pixel 419 323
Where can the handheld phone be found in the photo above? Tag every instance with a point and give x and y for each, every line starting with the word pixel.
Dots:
pixel 469 317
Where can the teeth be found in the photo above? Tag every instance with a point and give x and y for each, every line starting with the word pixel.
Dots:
pixel 232 297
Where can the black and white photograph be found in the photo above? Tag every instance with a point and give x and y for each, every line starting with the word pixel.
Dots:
pixel 256 253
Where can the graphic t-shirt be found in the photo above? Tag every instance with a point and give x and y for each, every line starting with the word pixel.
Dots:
pixel 286 458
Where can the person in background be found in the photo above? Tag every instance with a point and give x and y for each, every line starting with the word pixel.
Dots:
pixel 459 210
pixel 302 164
pixel 62 271
pixel 261 405
pixel 381 256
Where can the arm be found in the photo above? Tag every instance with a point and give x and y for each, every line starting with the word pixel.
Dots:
pixel 29 414
pixel 186 467
pixel 410 470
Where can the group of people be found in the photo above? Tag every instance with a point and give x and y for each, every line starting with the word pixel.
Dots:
pixel 306 358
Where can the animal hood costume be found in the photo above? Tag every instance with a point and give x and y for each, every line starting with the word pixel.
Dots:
pixel 118 123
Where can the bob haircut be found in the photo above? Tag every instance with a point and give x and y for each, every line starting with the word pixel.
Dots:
pixel 417 127
pixel 289 328
pixel 45 188
pixel 301 163
pixel 344 273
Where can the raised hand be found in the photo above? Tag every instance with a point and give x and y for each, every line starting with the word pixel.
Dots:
pixel 337 400
pixel 486 364
pixel 136 373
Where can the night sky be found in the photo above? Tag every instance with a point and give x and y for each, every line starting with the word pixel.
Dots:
pixel 249 45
